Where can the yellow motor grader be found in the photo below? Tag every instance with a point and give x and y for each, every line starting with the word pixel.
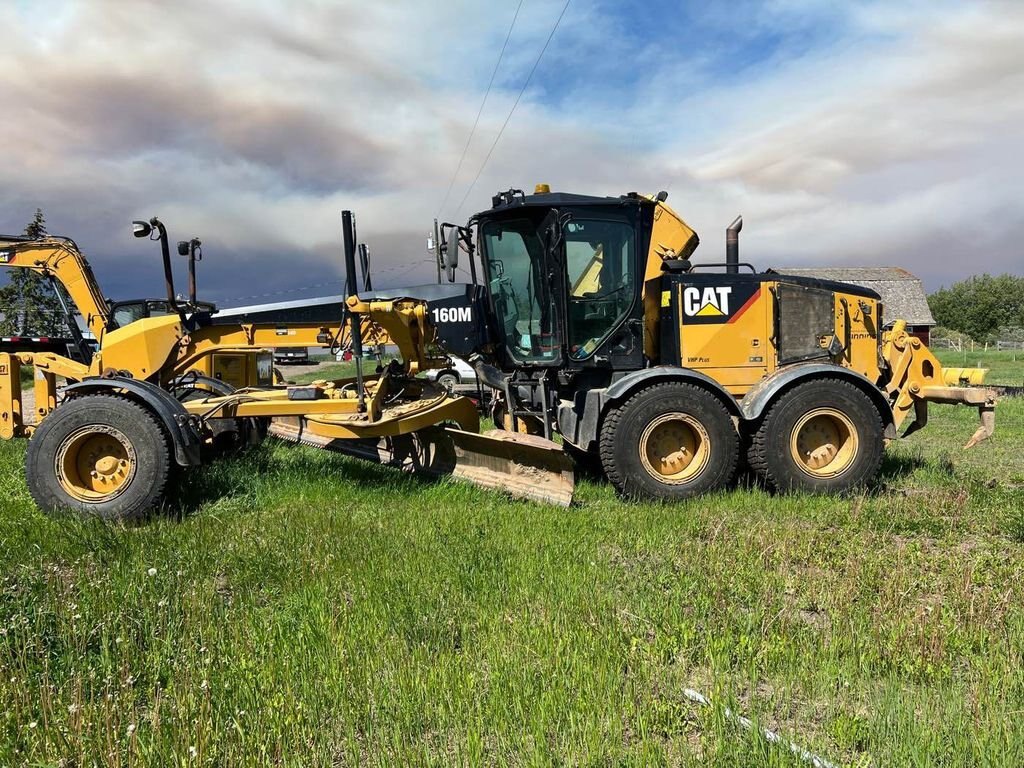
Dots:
pixel 108 441
pixel 584 315
pixel 665 374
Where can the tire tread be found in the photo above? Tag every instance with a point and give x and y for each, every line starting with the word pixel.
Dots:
pixel 608 445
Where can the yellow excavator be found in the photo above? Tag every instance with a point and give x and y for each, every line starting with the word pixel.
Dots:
pixel 586 318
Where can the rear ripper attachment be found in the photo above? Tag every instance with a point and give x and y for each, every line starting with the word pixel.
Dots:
pixel 917 378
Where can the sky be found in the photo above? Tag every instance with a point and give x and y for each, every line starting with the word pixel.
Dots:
pixel 846 133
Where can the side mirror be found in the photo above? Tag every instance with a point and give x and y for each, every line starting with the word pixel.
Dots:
pixel 450 252
pixel 141 228
pixel 191 247
pixel 449 242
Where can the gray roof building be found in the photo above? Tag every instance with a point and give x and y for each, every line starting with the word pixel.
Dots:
pixel 903 295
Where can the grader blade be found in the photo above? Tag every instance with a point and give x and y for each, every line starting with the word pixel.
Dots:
pixel 526 466
pixel 523 466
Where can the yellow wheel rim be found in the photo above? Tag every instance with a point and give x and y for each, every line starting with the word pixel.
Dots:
pixel 95 463
pixel 675 448
pixel 824 443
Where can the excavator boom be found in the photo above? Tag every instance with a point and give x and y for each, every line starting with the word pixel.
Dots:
pixel 60 259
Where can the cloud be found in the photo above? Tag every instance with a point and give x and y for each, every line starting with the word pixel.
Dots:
pixel 846 133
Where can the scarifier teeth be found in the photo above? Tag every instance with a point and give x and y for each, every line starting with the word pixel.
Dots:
pixel 988 426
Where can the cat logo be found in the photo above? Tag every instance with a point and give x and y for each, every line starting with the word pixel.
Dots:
pixel 706 302
pixel 702 302
pixel 6 257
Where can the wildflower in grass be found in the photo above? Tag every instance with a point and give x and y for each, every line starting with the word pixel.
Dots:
pixel 130 730
pixel 192 752
pixel 151 571
pixel 33 724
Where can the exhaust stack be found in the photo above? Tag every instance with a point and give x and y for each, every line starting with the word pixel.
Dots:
pixel 732 246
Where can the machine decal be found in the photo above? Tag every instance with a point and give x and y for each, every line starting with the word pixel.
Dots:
pixel 712 301
pixel 6 257
pixel 453 315
pixel 707 304
pixel 745 307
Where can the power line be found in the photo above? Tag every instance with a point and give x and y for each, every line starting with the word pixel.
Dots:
pixel 480 111
pixel 514 105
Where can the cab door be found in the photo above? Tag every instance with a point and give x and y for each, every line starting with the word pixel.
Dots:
pixel 604 314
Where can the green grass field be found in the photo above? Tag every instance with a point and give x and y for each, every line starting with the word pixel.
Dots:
pixel 300 608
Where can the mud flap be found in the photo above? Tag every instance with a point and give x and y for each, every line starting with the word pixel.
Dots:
pixel 524 466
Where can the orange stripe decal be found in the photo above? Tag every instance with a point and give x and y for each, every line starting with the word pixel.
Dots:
pixel 745 306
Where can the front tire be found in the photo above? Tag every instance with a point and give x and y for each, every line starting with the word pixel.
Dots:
pixel 669 441
pixel 823 436
pixel 99 455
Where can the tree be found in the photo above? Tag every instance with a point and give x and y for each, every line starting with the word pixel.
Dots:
pixel 28 303
pixel 979 306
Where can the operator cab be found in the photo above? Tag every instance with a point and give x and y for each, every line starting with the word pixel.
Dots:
pixel 565 274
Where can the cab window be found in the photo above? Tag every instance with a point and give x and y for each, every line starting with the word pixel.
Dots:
pixel 600 262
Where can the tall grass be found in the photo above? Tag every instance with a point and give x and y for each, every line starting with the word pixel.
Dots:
pixel 298 608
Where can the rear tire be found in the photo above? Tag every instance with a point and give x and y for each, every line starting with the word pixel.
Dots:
pixel 669 441
pixel 823 436
pixel 99 455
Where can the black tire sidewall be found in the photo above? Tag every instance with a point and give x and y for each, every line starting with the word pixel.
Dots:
pixel 784 474
pixel 621 436
pixel 152 457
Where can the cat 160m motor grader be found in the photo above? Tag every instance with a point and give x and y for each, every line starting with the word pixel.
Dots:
pixel 594 323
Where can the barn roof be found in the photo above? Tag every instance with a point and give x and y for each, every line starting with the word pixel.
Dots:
pixel 903 296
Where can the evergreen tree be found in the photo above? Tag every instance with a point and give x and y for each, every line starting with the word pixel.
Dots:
pixel 28 303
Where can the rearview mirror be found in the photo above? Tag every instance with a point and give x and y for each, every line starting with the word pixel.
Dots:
pixel 141 228
pixel 183 247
